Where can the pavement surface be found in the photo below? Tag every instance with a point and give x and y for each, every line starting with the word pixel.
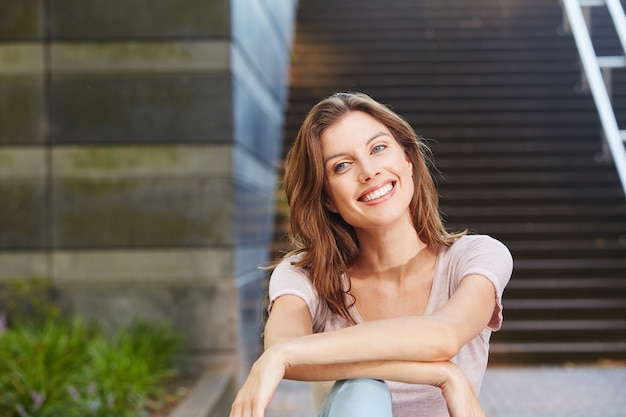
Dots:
pixel 544 391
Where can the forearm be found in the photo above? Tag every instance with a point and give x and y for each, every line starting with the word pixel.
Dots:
pixel 460 396
pixel 414 339
pixel 427 373
pixel 268 370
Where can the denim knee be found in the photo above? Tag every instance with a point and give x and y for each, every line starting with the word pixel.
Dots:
pixel 358 398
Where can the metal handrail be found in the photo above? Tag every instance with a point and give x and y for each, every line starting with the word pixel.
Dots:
pixel 593 73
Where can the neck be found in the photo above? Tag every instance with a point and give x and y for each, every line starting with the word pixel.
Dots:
pixel 389 254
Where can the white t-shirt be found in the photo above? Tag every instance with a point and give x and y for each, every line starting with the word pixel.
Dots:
pixel 469 255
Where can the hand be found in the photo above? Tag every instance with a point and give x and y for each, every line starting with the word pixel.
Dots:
pixel 259 388
pixel 460 396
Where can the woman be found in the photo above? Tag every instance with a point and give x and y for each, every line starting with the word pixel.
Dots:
pixel 376 295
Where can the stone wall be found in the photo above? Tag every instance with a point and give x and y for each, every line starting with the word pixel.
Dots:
pixel 139 141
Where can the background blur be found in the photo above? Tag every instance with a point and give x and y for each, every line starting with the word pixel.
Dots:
pixel 141 146
pixel 497 90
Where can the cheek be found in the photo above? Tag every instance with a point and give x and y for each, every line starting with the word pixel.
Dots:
pixel 410 181
pixel 412 185
pixel 409 170
pixel 338 194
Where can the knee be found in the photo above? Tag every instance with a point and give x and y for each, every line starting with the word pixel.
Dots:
pixel 364 388
pixel 360 397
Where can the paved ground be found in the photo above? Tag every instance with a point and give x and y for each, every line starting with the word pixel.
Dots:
pixel 588 391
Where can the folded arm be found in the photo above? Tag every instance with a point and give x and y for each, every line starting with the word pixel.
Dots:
pixel 413 349
pixel 432 338
pixel 461 399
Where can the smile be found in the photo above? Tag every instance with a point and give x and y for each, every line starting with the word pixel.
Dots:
pixel 381 192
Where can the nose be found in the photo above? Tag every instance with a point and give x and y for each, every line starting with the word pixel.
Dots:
pixel 368 171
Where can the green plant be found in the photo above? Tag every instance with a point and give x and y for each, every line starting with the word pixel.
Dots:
pixel 51 366
pixel 38 365
pixel 127 370
pixel 28 301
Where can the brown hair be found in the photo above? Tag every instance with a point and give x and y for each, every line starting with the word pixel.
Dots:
pixel 327 244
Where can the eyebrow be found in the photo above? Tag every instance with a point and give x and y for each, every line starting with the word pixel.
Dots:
pixel 370 140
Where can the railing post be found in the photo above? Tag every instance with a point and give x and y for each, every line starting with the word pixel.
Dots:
pixel 583 87
pixel 598 89
pixel 619 20
pixel 565 27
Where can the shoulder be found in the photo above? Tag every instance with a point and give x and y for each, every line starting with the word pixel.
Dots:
pixel 290 279
pixel 485 256
pixel 477 254
pixel 287 272
pixel 288 263
pixel 484 244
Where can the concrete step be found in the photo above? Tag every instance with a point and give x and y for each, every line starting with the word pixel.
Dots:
pixel 575 288
pixel 560 330
pixel 211 395
pixel 607 195
pixel 566 178
pixel 575 246
pixel 502 353
pixel 496 105
pixel 551 310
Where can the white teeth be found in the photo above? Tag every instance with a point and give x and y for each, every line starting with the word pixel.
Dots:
pixel 378 193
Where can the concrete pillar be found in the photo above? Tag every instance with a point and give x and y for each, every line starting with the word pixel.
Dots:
pixel 139 141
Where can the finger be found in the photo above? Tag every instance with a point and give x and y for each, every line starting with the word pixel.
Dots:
pixel 238 408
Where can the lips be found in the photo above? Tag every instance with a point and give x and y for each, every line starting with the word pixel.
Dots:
pixel 378 193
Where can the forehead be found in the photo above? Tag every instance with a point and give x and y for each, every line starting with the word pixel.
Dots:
pixel 353 128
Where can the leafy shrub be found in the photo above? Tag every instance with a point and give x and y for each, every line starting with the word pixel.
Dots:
pixel 126 370
pixel 28 302
pixel 37 365
pixel 50 366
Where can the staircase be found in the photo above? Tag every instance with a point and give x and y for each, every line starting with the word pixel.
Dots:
pixel 492 84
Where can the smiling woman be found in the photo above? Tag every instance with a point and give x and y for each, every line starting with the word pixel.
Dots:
pixel 376 294
pixel 366 171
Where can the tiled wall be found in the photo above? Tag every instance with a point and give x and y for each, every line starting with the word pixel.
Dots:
pixel 139 141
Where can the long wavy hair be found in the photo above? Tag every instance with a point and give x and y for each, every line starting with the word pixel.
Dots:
pixel 327 245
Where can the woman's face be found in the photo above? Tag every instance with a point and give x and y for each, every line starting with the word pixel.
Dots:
pixel 368 175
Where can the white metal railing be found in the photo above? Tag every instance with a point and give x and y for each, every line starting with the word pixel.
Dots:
pixel 597 70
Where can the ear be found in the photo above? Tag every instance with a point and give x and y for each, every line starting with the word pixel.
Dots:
pixel 408 160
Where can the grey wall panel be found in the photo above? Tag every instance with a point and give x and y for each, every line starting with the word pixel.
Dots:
pixel 22 214
pixel 141 109
pixel 20 20
pixel 124 19
pixel 142 213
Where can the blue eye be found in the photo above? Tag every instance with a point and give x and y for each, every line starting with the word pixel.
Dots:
pixel 340 166
pixel 379 148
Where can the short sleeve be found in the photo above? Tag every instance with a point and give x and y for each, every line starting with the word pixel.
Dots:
pixel 287 279
pixel 488 257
